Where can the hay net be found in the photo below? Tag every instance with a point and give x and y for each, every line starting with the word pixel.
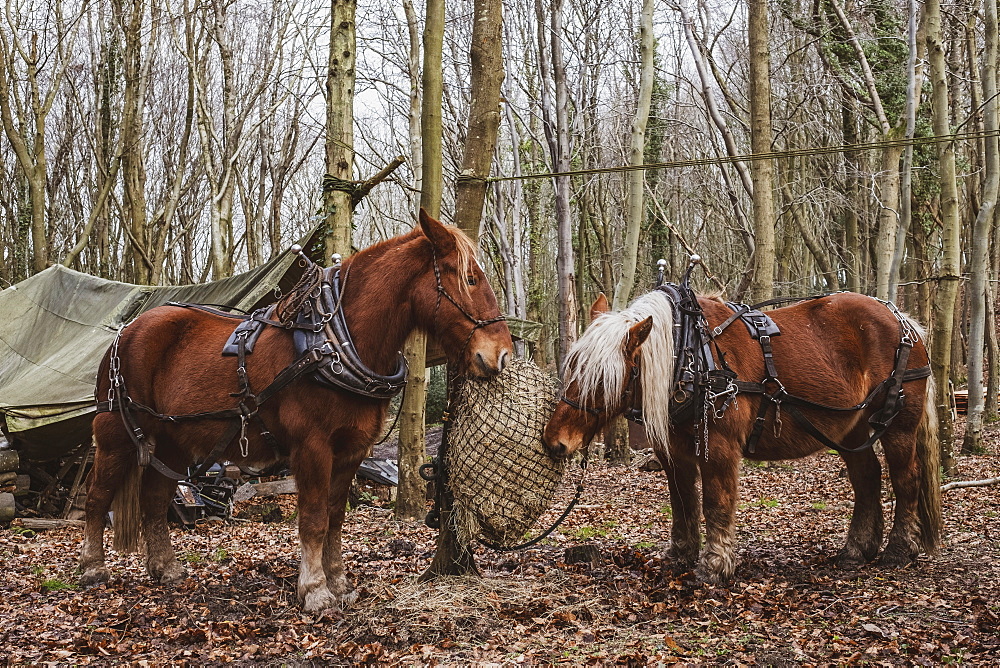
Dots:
pixel 498 472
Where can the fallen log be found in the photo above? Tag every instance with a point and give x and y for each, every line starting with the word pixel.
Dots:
pixel 958 484
pixel 42 524
pixel 9 460
pixel 7 507
pixel 275 487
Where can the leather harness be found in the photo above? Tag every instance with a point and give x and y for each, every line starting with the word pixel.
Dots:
pixel 699 381
pixel 325 352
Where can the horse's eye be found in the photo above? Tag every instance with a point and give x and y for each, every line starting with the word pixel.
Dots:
pixel 471 280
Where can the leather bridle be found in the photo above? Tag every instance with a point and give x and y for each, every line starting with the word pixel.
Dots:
pixel 629 394
pixel 442 292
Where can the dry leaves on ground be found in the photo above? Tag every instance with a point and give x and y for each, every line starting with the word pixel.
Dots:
pixel 788 605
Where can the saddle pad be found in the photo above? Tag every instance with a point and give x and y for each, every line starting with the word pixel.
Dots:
pixel 757 323
pixel 251 329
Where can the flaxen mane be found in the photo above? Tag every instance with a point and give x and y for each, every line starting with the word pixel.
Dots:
pixel 596 362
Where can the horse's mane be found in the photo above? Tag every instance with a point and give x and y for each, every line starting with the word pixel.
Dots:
pixel 597 361
pixel 465 249
pixel 288 306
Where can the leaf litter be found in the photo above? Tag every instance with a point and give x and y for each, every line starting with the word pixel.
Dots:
pixel 788 605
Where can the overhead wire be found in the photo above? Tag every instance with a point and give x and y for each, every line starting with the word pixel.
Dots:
pixel 752 157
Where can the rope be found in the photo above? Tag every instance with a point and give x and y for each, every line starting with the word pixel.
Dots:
pixel 751 157
pixel 332 183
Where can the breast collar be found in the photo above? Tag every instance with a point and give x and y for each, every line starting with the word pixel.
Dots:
pixel 322 330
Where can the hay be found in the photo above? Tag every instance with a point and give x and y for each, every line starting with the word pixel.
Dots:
pixel 499 474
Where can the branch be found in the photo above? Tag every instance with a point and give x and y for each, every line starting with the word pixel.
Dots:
pixel 969 483
pixel 365 186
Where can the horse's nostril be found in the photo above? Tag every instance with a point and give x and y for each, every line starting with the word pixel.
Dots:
pixel 502 360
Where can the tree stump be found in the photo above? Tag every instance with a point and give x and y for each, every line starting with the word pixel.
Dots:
pixel 588 553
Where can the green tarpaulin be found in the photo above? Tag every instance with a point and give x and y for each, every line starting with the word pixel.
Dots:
pixel 56 326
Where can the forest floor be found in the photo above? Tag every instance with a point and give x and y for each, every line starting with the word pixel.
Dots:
pixel 789 605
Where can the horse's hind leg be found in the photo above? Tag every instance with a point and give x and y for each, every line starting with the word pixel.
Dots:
pixel 114 456
pixel 904 471
pixel 685 507
pixel 867 525
pixel 157 492
pixel 345 467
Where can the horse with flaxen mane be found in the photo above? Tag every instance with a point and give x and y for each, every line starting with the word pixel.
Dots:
pixel 309 379
pixel 716 382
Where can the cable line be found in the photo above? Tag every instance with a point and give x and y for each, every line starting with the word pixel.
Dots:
pixel 751 157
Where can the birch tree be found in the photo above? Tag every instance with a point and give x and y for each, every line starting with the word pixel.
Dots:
pixel 950 271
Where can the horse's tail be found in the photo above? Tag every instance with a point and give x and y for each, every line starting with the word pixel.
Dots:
pixel 929 459
pixel 125 507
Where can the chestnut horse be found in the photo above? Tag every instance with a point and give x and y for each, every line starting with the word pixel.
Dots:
pixel 170 360
pixel 834 350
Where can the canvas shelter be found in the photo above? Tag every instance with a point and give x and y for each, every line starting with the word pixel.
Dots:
pixel 56 326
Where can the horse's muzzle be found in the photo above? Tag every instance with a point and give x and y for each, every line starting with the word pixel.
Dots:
pixel 485 368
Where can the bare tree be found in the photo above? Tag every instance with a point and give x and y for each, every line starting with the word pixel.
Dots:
pixel 980 241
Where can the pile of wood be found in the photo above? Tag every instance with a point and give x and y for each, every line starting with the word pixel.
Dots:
pixel 9 483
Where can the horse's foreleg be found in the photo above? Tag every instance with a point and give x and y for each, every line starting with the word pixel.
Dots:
pixel 685 507
pixel 904 471
pixel 867 525
pixel 157 492
pixel 720 492
pixel 313 468
pixel 344 469
pixel 111 462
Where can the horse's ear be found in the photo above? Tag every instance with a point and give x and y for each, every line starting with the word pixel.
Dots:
pixel 599 306
pixel 442 239
pixel 637 334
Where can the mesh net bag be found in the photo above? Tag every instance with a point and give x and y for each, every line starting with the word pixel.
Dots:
pixel 498 471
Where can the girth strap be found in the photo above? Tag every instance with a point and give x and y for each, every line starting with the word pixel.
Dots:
pixel 880 421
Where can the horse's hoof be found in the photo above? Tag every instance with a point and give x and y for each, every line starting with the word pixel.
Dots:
pixel 94 576
pixel 711 577
pixel 849 560
pixel 895 559
pixel 320 599
pixel 168 575
pixel 348 597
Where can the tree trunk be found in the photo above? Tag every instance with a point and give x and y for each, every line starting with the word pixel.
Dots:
pixel 340 128
pixel 950 273
pixel 914 82
pixel 411 492
pixel 980 242
pixel 560 158
pixel 486 77
pixel 636 178
pixel 411 497
pixel 762 282
pixel 133 159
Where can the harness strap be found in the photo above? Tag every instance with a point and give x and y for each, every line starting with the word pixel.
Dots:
pixel 237 415
pixel 256 316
